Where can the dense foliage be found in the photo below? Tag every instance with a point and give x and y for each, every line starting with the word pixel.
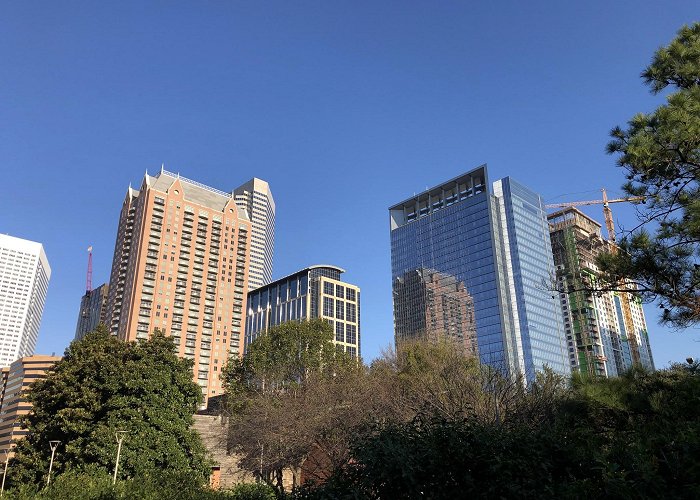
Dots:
pixel 427 422
pixel 310 429
pixel 637 436
pixel 661 153
pixel 103 385
pixel 94 484
pixel 97 485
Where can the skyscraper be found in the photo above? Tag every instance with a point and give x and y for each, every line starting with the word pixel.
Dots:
pixel 24 281
pixel 606 332
pixel 493 242
pixel 313 292
pixel 256 198
pixel 93 310
pixel 181 265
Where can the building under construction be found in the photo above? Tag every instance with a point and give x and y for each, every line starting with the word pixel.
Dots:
pixel 606 331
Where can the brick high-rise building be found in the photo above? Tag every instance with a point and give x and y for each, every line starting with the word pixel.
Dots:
pixel 24 281
pixel 181 265
pixel 256 198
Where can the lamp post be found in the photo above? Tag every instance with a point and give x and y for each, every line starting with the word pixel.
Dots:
pixel 120 438
pixel 54 445
pixel 4 474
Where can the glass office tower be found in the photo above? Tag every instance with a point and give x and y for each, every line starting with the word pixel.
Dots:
pixel 495 242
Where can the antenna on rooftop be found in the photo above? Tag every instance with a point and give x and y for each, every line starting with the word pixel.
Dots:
pixel 88 280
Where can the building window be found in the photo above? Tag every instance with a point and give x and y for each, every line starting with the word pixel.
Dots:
pixel 340 291
pixel 328 288
pixel 339 309
pixel 328 307
pixel 351 334
pixel 350 294
pixel 351 312
pixel 339 331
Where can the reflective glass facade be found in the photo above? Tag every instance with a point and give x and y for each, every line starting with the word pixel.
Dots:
pixel 437 307
pixel 493 245
pixel 93 311
pixel 538 322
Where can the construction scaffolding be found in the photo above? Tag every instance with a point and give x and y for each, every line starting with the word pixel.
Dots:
pixel 606 330
pixel 576 242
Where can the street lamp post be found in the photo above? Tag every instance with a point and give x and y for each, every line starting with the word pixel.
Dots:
pixel 54 445
pixel 120 438
pixel 4 474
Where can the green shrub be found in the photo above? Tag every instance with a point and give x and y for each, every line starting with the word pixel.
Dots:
pixel 257 491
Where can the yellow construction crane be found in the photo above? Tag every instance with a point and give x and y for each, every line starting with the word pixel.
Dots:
pixel 607 212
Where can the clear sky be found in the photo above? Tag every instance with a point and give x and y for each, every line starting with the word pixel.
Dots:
pixel 343 107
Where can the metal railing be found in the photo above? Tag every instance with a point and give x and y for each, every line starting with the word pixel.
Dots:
pixel 198 184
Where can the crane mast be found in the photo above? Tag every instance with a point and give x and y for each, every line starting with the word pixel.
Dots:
pixel 607 211
pixel 88 279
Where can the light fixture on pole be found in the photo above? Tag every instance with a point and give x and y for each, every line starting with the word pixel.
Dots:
pixel 4 474
pixel 120 435
pixel 54 445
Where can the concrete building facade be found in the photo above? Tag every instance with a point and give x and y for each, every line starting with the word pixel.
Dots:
pixel 256 198
pixel 606 332
pixel 93 310
pixel 314 292
pixel 24 282
pixel 16 379
pixel 181 265
pixel 493 241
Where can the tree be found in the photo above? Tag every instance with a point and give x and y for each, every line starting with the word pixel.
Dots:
pixel 435 380
pixel 283 357
pixel 278 397
pixel 661 153
pixel 102 385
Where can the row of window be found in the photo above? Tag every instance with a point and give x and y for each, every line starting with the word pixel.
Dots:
pixel 339 291
pixel 345 333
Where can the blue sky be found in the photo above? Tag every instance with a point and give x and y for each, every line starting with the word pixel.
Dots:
pixel 343 107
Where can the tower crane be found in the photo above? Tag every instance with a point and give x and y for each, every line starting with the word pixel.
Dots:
pixel 607 212
pixel 88 278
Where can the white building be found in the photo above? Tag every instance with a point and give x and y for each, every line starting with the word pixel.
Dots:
pixel 24 280
pixel 256 198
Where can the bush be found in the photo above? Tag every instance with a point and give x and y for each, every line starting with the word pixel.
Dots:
pixel 259 491
pixel 97 485
pixel 635 436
